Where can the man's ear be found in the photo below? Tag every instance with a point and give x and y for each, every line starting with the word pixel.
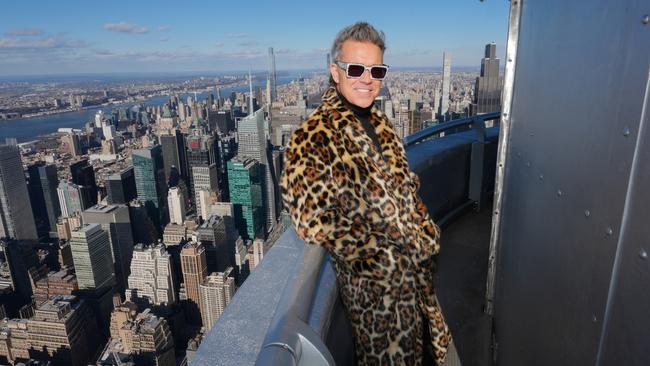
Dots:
pixel 334 72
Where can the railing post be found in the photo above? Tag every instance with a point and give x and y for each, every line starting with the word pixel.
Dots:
pixel 477 158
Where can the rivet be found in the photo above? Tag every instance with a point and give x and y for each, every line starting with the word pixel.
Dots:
pixel 528 164
pixel 518 154
pixel 643 254
pixel 559 192
pixel 509 60
pixel 541 177
pixel 626 132
pixel 532 134
pixel 609 231
pixel 594 319
pixel 587 213
pixel 646 19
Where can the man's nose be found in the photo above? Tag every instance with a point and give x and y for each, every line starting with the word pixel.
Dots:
pixel 365 77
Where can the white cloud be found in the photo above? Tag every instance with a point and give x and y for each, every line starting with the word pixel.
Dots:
pixel 164 28
pixel 125 28
pixel 25 32
pixel 49 42
pixel 238 35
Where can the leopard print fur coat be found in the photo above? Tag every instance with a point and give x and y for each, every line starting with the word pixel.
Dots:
pixel 362 205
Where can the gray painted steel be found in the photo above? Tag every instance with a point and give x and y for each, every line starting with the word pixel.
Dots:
pixel 572 283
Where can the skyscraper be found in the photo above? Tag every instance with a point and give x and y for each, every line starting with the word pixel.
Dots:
pixel 272 76
pixel 150 183
pixel 43 182
pixel 62 331
pixel 253 144
pixel 120 187
pixel 202 150
pixel 91 252
pixel 146 336
pixel 446 84
pixel 73 198
pixel 204 178
pixel 214 237
pixel 487 90
pixel 216 292
pixel 194 269
pixel 150 281
pixel 115 220
pixel 173 152
pixel 176 203
pixel 16 218
pixel 83 175
pixel 245 183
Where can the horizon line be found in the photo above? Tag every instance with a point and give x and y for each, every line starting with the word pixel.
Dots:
pixel 207 72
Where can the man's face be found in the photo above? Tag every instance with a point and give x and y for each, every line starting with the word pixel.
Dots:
pixel 362 91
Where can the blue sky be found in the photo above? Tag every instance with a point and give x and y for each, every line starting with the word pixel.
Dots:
pixel 69 37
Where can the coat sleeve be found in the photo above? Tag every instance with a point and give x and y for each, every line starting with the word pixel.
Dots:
pixel 426 223
pixel 310 194
pixel 309 190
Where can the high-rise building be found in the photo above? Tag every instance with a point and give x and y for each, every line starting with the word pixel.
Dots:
pixel 120 187
pixel 62 331
pixel 73 198
pixel 245 183
pixel 151 282
pixel 91 253
pixel 201 151
pixel 194 269
pixel 204 178
pixel 63 282
pixel 216 292
pixel 446 83
pixel 150 183
pixel 174 234
pixel 115 220
pixel 212 234
pixel 93 262
pixel 176 203
pixel 253 144
pixel 143 335
pixel 173 152
pixel 487 90
pixel 272 77
pixel 43 182
pixel 256 253
pixel 83 175
pixel 16 218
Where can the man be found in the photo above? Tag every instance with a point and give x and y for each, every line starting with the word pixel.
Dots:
pixel 347 187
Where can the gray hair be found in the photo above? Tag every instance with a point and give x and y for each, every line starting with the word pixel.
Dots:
pixel 360 31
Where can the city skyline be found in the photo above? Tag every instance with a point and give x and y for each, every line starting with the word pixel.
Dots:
pixel 79 38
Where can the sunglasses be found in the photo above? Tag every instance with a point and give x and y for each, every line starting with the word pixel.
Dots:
pixel 354 71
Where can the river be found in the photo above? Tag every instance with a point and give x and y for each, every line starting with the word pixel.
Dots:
pixel 27 129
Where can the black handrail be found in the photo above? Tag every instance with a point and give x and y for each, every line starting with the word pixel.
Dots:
pixel 446 126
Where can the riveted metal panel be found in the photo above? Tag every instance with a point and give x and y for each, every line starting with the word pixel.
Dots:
pixel 577 99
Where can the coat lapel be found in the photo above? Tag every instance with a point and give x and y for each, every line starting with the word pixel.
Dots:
pixel 390 160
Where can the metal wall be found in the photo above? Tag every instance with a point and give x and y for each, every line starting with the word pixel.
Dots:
pixel 572 232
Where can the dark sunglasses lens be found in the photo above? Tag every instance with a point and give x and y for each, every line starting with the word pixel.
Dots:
pixel 355 70
pixel 378 72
